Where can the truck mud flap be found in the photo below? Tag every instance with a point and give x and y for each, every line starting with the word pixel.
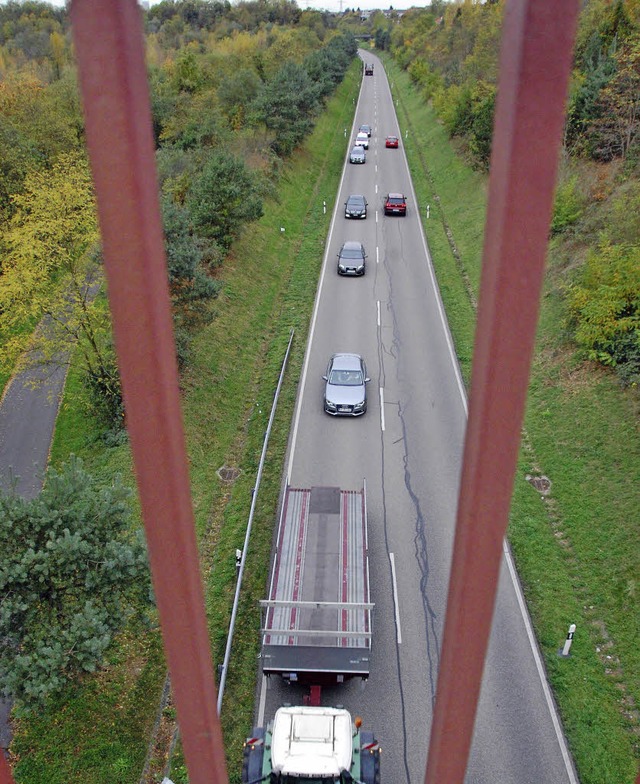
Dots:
pixel 369 759
pixel 252 755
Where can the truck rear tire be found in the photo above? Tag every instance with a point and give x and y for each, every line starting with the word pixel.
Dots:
pixel 252 755
pixel 370 760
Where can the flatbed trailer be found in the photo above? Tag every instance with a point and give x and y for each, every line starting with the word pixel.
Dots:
pixel 317 621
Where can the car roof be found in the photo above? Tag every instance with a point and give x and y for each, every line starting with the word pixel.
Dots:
pixel 352 245
pixel 358 148
pixel 346 361
pixel 395 196
pixel 392 136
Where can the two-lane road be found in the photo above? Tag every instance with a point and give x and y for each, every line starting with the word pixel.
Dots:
pixel 408 446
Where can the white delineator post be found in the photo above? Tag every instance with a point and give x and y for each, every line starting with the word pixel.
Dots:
pixel 568 641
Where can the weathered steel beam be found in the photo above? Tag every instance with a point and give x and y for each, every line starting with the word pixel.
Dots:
pixel 536 55
pixel 109 44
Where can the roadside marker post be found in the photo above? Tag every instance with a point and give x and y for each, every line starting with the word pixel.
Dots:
pixel 564 653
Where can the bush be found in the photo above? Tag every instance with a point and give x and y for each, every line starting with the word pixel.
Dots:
pixel 605 305
pixel 102 381
pixel 567 207
pixel 72 573
pixel 481 131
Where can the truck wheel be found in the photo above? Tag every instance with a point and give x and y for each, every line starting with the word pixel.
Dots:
pixel 245 764
pixel 370 760
pixel 252 755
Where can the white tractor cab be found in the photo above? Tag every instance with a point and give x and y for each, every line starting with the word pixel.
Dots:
pixel 311 744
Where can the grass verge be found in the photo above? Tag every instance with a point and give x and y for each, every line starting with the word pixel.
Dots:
pixel 99 730
pixel 577 552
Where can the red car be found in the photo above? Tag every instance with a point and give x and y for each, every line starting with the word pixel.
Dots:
pixel 395 204
pixel 391 141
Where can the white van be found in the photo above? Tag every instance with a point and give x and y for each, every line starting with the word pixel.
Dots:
pixel 362 140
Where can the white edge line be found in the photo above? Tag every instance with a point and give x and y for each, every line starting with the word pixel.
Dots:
pixel 512 570
pixel 382 408
pixel 263 702
pixel 396 600
pixel 539 664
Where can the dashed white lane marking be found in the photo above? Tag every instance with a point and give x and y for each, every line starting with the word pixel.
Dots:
pixel 377 254
pixel 382 408
pixel 378 306
pixel 396 601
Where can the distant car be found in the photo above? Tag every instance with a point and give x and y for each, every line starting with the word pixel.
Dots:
pixel 345 393
pixel 368 69
pixel 357 155
pixel 365 129
pixel 391 141
pixel 355 206
pixel 395 204
pixel 362 140
pixel 351 259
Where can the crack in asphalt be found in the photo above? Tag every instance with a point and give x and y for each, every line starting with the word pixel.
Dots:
pixel 405 750
pixel 422 557
pixel 420 537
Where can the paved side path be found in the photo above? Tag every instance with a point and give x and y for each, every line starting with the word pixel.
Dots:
pixel 27 417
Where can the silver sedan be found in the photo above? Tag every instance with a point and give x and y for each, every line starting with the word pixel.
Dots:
pixel 345 393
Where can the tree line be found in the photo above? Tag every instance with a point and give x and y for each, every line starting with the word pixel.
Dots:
pixel 450 50
pixel 234 90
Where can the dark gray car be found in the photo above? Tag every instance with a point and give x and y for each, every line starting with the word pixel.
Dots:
pixel 345 393
pixel 355 206
pixel 357 155
pixel 351 258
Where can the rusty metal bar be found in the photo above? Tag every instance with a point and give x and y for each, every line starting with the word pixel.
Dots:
pixel 5 770
pixel 109 43
pixel 534 70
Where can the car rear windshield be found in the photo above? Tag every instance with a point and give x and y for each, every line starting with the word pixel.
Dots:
pixel 393 200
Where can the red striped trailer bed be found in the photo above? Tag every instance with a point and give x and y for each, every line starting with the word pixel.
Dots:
pixel 317 619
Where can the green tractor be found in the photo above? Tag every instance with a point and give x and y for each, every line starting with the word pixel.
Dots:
pixel 314 745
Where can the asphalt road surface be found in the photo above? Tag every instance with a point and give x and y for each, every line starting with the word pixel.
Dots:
pixel 408 446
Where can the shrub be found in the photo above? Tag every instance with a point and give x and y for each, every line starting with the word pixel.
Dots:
pixel 567 207
pixel 72 573
pixel 605 305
